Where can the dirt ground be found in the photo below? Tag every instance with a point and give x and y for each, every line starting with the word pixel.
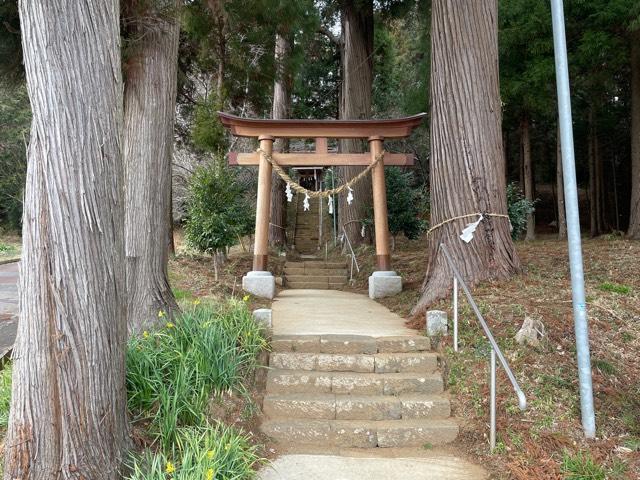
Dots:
pixel 536 443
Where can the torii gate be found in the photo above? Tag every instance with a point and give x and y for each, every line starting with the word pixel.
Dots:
pixel 260 282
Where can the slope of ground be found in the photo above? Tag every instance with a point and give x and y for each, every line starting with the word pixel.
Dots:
pixel 546 441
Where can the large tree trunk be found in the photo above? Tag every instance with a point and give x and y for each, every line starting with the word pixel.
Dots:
pixel 68 408
pixel 149 109
pixel 528 175
pixel 562 218
pixel 355 103
pixel 217 9
pixel 281 109
pixel 634 218
pixel 593 191
pixel 466 149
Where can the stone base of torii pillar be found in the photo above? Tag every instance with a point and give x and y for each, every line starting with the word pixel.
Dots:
pixel 384 284
pixel 260 283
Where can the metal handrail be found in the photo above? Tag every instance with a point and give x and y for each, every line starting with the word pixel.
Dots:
pixel 352 254
pixel 495 349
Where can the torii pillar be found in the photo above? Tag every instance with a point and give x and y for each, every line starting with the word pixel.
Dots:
pixel 260 282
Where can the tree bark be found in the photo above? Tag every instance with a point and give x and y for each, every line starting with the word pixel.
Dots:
pixel 149 109
pixel 355 103
pixel 593 198
pixel 562 218
pixel 634 217
pixel 466 148
pixel 281 109
pixel 528 176
pixel 217 9
pixel 68 409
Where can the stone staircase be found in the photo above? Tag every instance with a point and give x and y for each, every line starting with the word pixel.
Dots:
pixel 337 391
pixel 307 233
pixel 315 274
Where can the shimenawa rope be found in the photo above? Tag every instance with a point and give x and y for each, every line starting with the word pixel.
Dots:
pixel 319 194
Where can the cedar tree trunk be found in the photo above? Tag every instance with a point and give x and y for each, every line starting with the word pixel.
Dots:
pixel 528 175
pixel 281 109
pixel 593 197
pixel 149 109
pixel 68 407
pixel 634 218
pixel 355 103
pixel 466 148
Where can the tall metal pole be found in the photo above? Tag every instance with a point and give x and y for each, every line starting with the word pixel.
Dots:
pixel 573 221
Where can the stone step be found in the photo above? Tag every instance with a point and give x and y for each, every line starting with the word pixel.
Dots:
pixel 349 344
pixel 355 407
pixel 340 279
pixel 301 381
pixel 332 272
pixel 362 433
pixel 414 362
pixel 315 264
pixel 314 286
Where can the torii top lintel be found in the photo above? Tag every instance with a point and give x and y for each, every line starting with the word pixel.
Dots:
pixel 293 128
pixel 320 130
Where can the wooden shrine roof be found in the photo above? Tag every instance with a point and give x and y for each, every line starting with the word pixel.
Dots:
pixel 293 128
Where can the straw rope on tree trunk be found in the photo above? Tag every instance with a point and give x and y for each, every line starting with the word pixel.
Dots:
pixel 319 194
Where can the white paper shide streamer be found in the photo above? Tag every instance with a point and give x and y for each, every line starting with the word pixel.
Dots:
pixel 305 203
pixel 330 205
pixel 467 233
pixel 349 196
pixel 362 231
pixel 289 193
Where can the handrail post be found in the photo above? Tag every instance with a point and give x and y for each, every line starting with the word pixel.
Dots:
pixel 455 314
pixel 492 407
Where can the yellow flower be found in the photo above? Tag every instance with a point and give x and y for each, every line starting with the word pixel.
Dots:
pixel 161 313
pixel 145 334
pixel 227 446
pixel 170 325
pixel 170 468
pixel 210 474
pixel 196 301
pixel 210 454
pixel 245 298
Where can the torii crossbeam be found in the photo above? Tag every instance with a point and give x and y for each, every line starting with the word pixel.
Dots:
pixel 267 130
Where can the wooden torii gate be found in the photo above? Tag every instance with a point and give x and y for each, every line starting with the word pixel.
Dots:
pixel 267 130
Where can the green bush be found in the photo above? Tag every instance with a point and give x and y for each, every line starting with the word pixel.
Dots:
pixel 219 211
pixel 172 373
pixel 207 453
pixel 518 209
pixel 15 116
pixel 404 202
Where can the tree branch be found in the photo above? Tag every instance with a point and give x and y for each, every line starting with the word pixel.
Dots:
pixel 329 34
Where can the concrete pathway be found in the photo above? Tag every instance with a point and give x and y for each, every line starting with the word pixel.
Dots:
pixel 329 467
pixel 327 312
pixel 332 312
pixel 8 306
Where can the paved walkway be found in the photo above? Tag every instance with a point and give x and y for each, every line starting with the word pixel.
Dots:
pixel 8 306
pixel 329 467
pixel 325 312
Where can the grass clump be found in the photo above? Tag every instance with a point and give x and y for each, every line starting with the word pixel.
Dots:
pixel 5 395
pixel 208 453
pixel 173 373
pixel 6 249
pixel 615 288
pixel 581 467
